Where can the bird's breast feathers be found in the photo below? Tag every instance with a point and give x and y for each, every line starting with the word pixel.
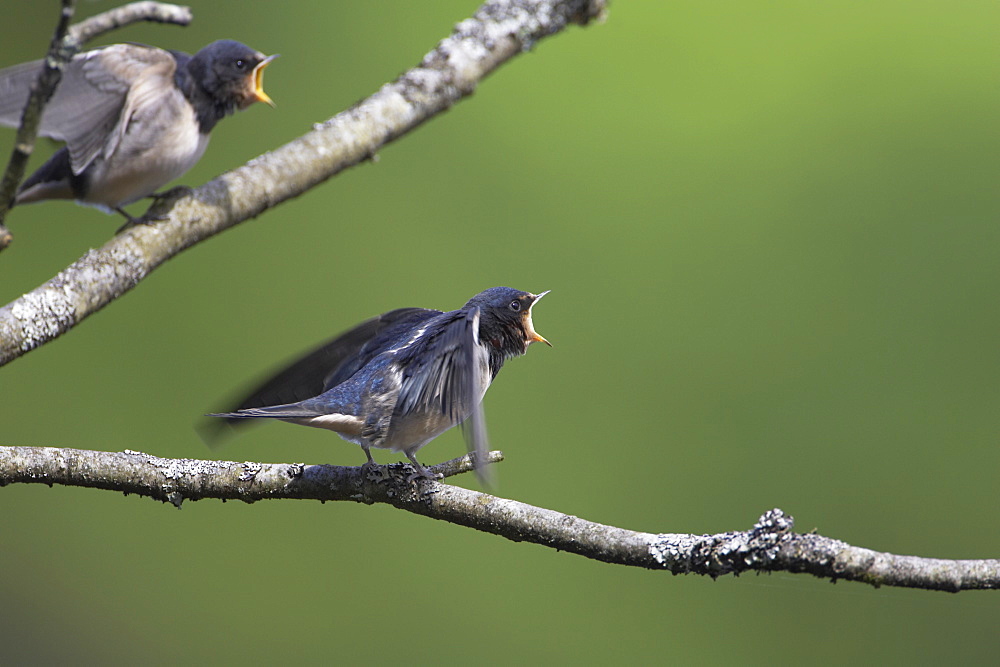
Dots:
pixel 156 141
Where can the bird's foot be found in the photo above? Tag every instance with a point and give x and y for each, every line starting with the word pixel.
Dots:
pixel 172 193
pixel 420 472
pixel 161 202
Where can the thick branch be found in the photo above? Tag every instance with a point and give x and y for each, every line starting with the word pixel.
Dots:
pixel 66 42
pixel 500 30
pixel 769 546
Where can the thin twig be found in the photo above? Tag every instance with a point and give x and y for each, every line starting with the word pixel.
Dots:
pixel 66 42
pixel 134 12
pixel 58 55
pixel 769 546
pixel 500 30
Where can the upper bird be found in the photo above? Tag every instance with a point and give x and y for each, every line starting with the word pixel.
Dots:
pixel 401 379
pixel 133 117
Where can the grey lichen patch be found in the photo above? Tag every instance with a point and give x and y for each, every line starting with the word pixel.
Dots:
pixel 477 45
pixel 673 551
pixel 394 107
pixel 250 470
pixel 182 475
pixel 425 88
pixel 725 553
pixel 104 274
pixel 180 468
pixel 356 133
pixel 774 521
pixel 87 284
pixel 771 531
pixel 460 61
pixel 395 482
pixel 527 22
pixel 468 42
pixel 531 20
pixel 44 314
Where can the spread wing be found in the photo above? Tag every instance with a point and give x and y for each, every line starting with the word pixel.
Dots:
pixel 86 109
pixel 447 374
pixel 328 365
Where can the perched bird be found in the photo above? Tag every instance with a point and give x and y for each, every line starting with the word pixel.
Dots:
pixel 133 117
pixel 401 379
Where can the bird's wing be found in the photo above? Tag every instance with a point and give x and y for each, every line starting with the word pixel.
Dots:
pixel 477 441
pixel 351 351
pixel 325 367
pixel 86 109
pixel 447 374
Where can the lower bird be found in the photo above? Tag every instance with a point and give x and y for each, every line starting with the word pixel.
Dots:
pixel 133 117
pixel 401 379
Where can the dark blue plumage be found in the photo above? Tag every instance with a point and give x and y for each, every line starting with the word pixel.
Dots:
pixel 401 379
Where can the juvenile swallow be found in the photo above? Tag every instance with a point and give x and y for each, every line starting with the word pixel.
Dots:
pixel 401 379
pixel 133 117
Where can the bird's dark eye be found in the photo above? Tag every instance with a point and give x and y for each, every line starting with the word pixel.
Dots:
pixel 515 305
pixel 240 63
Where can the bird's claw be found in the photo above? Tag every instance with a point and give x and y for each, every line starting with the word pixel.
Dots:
pixel 421 472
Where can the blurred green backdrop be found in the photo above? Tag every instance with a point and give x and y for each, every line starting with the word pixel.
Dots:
pixel 770 231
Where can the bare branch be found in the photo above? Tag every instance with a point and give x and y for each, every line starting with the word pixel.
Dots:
pixel 769 546
pixel 176 480
pixel 66 42
pixel 134 12
pixel 499 30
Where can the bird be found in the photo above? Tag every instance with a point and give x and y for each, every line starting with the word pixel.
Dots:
pixel 399 380
pixel 134 117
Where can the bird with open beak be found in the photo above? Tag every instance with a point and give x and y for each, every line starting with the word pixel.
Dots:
pixel 133 117
pixel 403 378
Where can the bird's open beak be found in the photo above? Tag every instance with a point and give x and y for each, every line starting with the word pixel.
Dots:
pixel 529 328
pixel 258 81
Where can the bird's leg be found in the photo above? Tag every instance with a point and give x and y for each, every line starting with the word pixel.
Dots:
pixel 421 470
pixel 159 199
pixel 377 472
pixel 131 220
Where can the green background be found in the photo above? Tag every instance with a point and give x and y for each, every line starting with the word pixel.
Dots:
pixel 770 231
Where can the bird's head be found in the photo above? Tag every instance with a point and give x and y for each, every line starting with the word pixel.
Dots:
pixel 505 319
pixel 231 73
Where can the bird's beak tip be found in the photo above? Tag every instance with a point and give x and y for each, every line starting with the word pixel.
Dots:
pixel 533 336
pixel 258 81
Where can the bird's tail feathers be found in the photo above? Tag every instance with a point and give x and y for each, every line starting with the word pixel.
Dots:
pixel 289 411
pixel 214 431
